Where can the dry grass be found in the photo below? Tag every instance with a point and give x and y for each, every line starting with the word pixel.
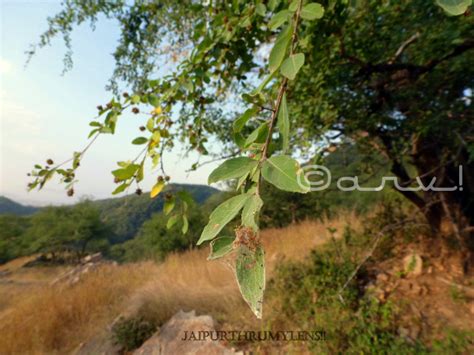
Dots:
pixel 47 319
pixel 186 281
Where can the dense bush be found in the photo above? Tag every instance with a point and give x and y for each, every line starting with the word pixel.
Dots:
pixel 131 333
pixel 309 294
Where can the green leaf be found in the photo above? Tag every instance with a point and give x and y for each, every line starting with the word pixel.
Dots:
pixel 135 99
pixel 185 227
pixel 312 11
pixel 221 247
pixel 454 7
pixel 250 211
pixel 283 123
pixel 272 4
pixel 285 173
pixel 127 172
pixel 169 205
pixel 120 188
pixel 279 49
pixel 172 221
pixel 292 65
pixel 250 272
pixel 139 140
pixel 232 169
pixel 294 5
pixel 279 19
pixel 261 9
pixel 150 124
pixel 140 174
pixel 153 100
pixel 240 122
pixel 262 86
pixel 223 214
pixel 257 135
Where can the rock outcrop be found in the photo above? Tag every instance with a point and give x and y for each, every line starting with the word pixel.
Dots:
pixel 169 339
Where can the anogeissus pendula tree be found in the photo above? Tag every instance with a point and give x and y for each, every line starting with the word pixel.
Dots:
pixel 262 158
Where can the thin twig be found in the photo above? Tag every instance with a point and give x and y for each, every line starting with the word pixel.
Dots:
pixel 404 46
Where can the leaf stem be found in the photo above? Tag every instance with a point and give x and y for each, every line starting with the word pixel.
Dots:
pixel 281 92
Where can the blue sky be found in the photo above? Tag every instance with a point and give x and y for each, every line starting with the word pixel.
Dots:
pixel 45 115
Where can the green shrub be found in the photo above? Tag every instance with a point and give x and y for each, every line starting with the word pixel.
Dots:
pixel 307 295
pixel 131 333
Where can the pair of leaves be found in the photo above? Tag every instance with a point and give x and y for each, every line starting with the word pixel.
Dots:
pixel 285 173
pixel 174 219
pixel 312 11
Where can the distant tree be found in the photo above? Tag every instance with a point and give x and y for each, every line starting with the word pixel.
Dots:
pixel 12 241
pixel 75 230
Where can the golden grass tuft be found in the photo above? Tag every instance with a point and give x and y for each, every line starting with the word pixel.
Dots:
pixel 46 319
pixel 59 318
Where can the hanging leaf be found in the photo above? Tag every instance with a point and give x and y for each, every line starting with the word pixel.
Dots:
pixel 283 123
pixel 250 272
pixel 220 247
pixel 292 65
pixel 222 215
pixel 185 227
pixel 285 173
pixel 250 211
pixel 454 7
pixel 169 205
pixel 279 19
pixel 120 188
pixel 312 11
pixel 157 189
pixel 172 221
pixel 242 120
pixel 279 49
pixel 232 169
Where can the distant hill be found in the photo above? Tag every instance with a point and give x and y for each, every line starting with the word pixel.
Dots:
pixel 125 214
pixel 8 206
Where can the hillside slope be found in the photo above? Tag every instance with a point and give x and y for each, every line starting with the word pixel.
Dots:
pixel 8 206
